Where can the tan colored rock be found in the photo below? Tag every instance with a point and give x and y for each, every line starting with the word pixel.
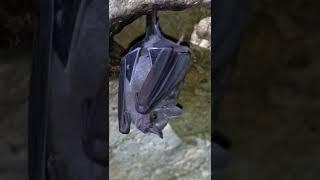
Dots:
pixel 201 35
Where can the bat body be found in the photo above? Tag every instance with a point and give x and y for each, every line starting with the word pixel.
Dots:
pixel 150 78
pixel 68 103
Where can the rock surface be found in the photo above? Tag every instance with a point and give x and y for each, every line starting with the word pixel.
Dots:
pixel 14 81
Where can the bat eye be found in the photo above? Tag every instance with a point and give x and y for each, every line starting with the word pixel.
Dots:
pixel 154 116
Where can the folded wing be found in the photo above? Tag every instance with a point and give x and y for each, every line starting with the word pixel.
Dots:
pixel 167 72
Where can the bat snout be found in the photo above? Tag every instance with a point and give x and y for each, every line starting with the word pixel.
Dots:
pixel 156 131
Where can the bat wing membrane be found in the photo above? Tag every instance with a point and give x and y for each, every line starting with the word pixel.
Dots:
pixel 124 123
pixel 166 73
pixel 127 65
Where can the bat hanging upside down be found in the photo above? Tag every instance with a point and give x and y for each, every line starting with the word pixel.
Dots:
pixel 150 78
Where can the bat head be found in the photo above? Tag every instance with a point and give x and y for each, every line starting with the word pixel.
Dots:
pixel 155 121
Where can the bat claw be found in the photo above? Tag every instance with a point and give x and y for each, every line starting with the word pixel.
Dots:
pixel 124 127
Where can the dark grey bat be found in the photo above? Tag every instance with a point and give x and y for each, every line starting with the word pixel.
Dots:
pixel 150 77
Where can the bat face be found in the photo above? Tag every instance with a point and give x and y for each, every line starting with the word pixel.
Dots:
pixel 151 74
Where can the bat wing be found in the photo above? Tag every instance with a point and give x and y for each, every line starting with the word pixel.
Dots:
pixel 167 72
pixel 127 64
pixel 124 123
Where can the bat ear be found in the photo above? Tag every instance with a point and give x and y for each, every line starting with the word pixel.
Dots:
pixel 173 111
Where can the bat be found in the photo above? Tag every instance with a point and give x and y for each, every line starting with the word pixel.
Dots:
pixel 67 103
pixel 150 78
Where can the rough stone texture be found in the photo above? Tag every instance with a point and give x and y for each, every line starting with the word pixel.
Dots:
pixel 123 12
pixel 201 35
pixel 146 156
pixel 14 71
pixel 175 24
